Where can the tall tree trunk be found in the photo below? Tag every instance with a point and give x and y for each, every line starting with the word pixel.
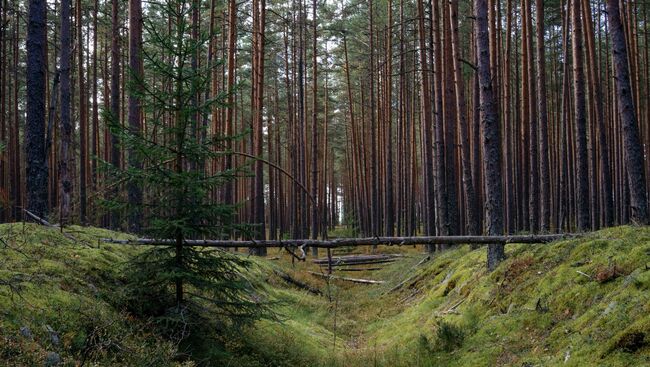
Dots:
pixel 115 99
pixel 95 139
pixel 36 155
pixel 14 133
pixel 65 182
pixel 4 156
pixel 259 17
pixel 135 126
pixel 439 195
pixel 473 226
pixel 389 205
pixel 582 171
pixel 83 120
pixel 446 74
pixel 426 115
pixel 544 173
pixel 230 109
pixel 491 138
pixel 314 131
pixel 633 148
pixel 374 177
pixel 597 98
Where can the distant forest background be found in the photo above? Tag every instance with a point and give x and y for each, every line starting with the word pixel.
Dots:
pixel 363 113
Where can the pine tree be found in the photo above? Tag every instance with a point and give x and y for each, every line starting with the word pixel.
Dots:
pixel 171 280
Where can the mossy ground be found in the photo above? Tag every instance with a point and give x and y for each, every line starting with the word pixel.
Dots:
pixel 579 302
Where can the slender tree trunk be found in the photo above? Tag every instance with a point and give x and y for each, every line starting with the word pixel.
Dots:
pixel 472 210
pixel 446 74
pixel 4 156
pixel 65 182
pixel 544 173
pixel 438 193
pixel 389 205
pixel 14 133
pixel 562 187
pixel 83 119
pixel 374 177
pixel 230 110
pixel 582 171
pixel 115 99
pixel 259 17
pixel 426 115
pixel 135 125
pixel 314 131
pixel 95 139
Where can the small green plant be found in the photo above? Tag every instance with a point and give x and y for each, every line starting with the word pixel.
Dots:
pixel 424 345
pixel 471 319
pixel 449 336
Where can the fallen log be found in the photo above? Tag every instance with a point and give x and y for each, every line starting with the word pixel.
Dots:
pixel 425 259
pixel 354 280
pixel 358 269
pixel 343 242
pixel 38 219
pixel 293 281
pixel 402 283
pixel 45 223
pixel 354 258
pixel 362 262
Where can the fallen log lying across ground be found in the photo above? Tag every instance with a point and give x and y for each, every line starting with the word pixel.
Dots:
pixel 358 269
pixel 343 242
pixel 370 262
pixel 291 280
pixel 354 280
pixel 356 259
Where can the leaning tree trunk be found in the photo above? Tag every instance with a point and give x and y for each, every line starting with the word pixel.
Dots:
pixel 633 148
pixel 491 138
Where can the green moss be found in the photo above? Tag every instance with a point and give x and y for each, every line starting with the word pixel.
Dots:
pixel 536 308
pixel 51 284
pixel 542 306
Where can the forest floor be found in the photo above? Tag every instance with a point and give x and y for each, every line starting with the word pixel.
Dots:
pixel 578 302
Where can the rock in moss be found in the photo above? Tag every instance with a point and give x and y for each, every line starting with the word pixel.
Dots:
pixel 54 336
pixel 52 359
pixel 26 332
